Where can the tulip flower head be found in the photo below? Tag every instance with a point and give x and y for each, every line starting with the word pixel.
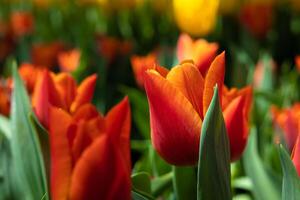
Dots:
pixel 21 23
pixel 69 60
pixel 60 91
pixel 90 153
pixel 178 102
pixel 257 17
pixel 200 51
pixel 46 54
pixel 140 64
pixel 296 155
pixel 287 120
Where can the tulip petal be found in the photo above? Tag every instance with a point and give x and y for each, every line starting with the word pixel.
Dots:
pixel 237 127
pixel 187 79
pixel 118 124
pixel 84 92
pixel 175 124
pixel 215 75
pixel 86 112
pixel 45 95
pixel 296 155
pixel 100 173
pixel 66 87
pixel 61 162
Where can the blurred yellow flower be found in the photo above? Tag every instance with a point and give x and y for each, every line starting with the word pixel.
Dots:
pixel 196 17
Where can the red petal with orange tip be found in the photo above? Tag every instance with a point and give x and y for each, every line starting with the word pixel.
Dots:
pixel 84 92
pixel 66 87
pixel 175 124
pixel 100 173
pixel 86 112
pixel 187 79
pixel 296 155
pixel 118 123
pixel 61 163
pixel 237 127
pixel 45 95
pixel 215 75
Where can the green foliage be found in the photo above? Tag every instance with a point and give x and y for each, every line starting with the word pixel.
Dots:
pixel 27 159
pixel 264 186
pixel 214 155
pixel 291 181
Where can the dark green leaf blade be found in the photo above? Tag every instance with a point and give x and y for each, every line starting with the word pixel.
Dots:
pixel 291 181
pixel 214 155
pixel 27 156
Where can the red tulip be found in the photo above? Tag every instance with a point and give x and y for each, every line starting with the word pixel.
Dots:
pixel 140 64
pixel 257 17
pixel 201 51
pixel 288 121
pixel 90 154
pixel 296 155
pixel 21 23
pixel 178 103
pixel 60 91
pixel 69 60
pixel 46 54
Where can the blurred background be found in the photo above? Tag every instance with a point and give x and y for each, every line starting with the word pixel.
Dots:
pixel 261 39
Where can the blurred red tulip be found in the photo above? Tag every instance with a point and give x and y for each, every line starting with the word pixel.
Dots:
pixel 178 103
pixel 60 91
pixel 297 61
pixel 69 60
pixel 140 64
pixel 200 51
pixel 90 154
pixel 29 74
pixel 46 54
pixel 257 17
pixel 21 23
pixel 5 93
pixel 296 155
pixel 110 47
pixel 288 121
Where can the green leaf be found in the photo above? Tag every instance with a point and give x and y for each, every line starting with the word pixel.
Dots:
pixel 263 185
pixel 185 183
pixel 291 181
pixel 140 111
pixel 141 182
pixel 214 155
pixel 141 186
pixel 27 155
pixel 159 184
pixel 6 181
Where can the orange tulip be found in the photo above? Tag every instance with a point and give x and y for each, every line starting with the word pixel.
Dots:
pixel 90 154
pixel 69 60
pixel 46 54
pixel 297 61
pixel 140 64
pixel 21 23
pixel 60 91
pixel 178 103
pixel 200 51
pixel 287 120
